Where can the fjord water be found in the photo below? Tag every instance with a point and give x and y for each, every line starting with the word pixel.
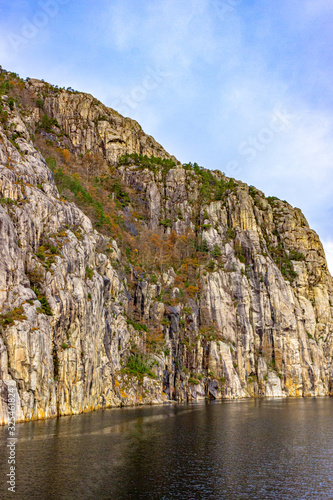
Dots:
pixel 247 449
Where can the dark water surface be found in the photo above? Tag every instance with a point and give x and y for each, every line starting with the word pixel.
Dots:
pixel 273 449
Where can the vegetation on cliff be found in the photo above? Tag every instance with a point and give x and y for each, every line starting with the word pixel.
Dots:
pixel 187 280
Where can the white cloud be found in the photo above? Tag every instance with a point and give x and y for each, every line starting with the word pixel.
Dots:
pixel 225 74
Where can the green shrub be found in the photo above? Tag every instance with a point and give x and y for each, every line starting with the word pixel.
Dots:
pixel 282 259
pixel 7 201
pixel 5 86
pixel 295 255
pixel 47 124
pixel 51 163
pixel 65 181
pixel 121 196
pixel 89 272
pixel 239 252
pixel 16 314
pixel 54 250
pixel 211 265
pixel 210 186
pixel 3 115
pixel 216 252
pixel 41 253
pixel 138 366
pixel 137 326
pixel 272 199
pixel 46 254
pixel 230 234
pixel 40 103
pixel 203 247
pixel 45 309
pixel 152 162
pixel 165 223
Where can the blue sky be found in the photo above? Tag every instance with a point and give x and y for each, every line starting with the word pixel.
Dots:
pixel 243 86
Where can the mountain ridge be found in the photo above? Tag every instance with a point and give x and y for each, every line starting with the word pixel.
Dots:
pixel 131 278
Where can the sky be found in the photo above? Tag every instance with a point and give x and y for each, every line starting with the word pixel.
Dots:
pixel 243 86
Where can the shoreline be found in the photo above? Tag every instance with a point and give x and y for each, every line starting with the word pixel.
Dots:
pixel 170 402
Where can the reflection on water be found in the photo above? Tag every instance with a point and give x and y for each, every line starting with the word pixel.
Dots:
pixel 272 449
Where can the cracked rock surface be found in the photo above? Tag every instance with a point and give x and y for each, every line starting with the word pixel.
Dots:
pixel 64 297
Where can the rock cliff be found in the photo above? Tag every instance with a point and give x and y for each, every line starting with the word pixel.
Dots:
pixel 129 278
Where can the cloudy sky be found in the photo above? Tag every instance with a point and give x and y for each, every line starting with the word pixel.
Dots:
pixel 243 86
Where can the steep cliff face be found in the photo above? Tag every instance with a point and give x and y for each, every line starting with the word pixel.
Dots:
pixel 90 125
pixel 129 279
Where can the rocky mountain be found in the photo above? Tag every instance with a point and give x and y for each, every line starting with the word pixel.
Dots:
pixel 129 278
